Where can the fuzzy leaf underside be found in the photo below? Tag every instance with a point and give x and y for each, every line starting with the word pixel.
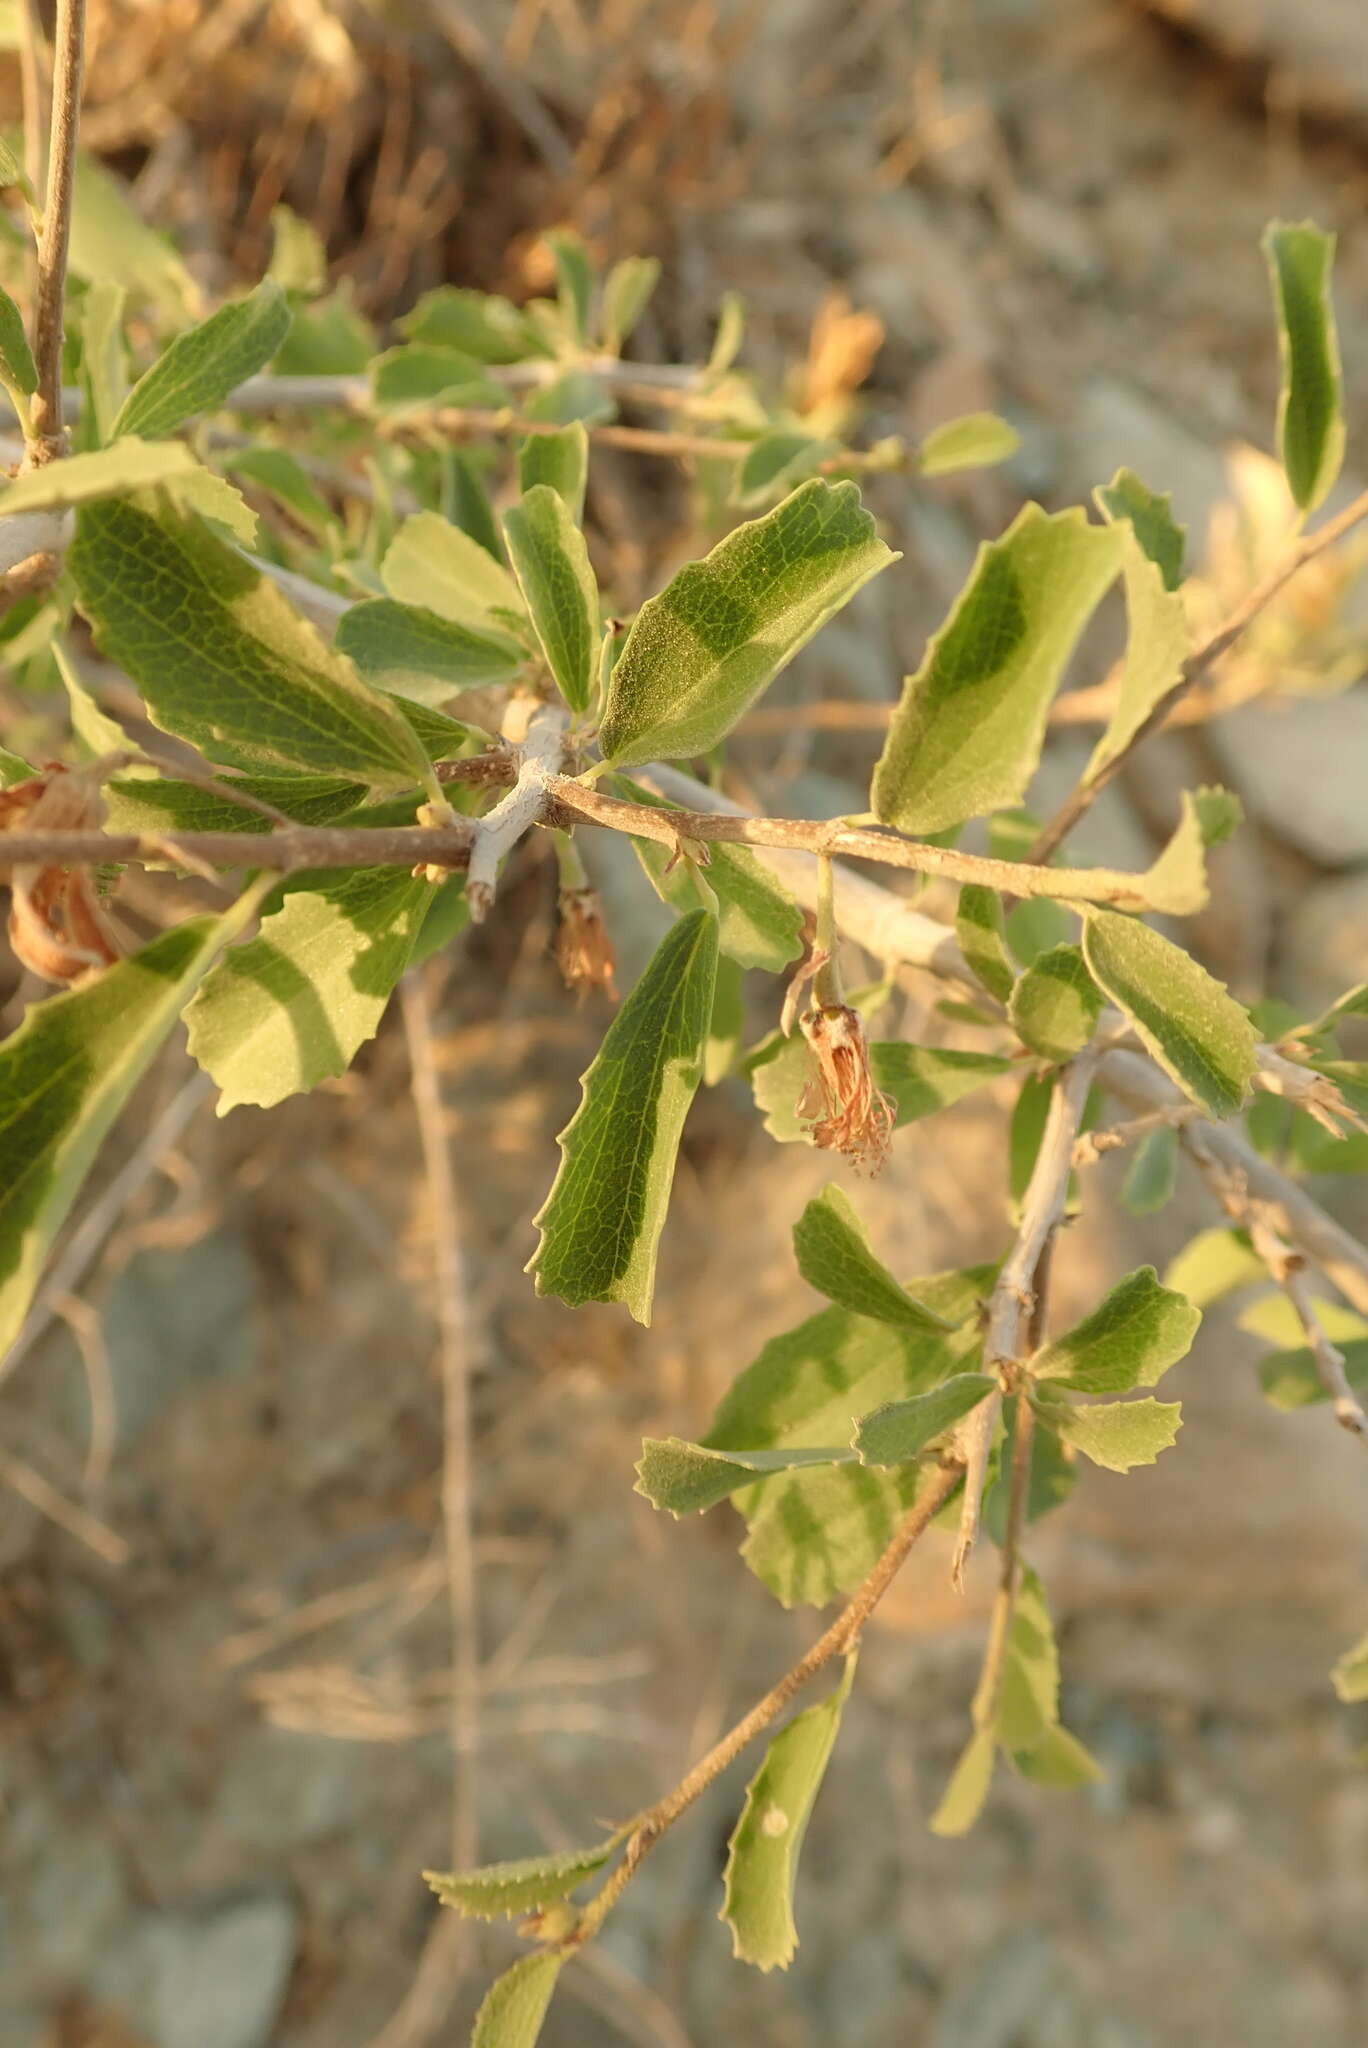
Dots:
pixel 967 733
pixel 601 1223
pixel 1056 1004
pixel 1197 1032
pixel 551 563
pixel 420 655
pixel 759 924
pixel 835 1257
pixel 203 364
pixel 1130 1340
pixel 499 1890
pixel 700 653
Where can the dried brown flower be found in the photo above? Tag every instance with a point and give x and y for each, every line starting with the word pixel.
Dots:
pixel 56 925
pixel 584 951
pixel 849 1113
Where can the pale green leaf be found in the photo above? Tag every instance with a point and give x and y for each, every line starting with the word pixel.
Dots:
pixel 420 655
pixel 13 769
pixel 1152 1174
pixel 967 734
pixel 515 2005
pixel 205 363
pixel 1186 1019
pixel 728 1022
pixel 66 1073
pixel 760 925
pixel 215 499
pixel 685 1479
pixel 1214 1264
pixel 416 375
pixel 1130 1340
pixel 730 333
pixel 328 339
pixel 559 460
pixel 1176 883
pixel 12 176
pixel 1150 514
pixel 982 935
pixel 918 1079
pixel 92 728
pixel 222 658
pixel 1310 404
pixel 293 1006
pixel 158 803
pixel 762 1856
pixel 284 478
pixel 574 395
pixel 962 1801
pixel 551 563
pixel 776 462
pixel 575 278
pixel 835 1257
pixel 1060 1761
pixel 699 654
pixel 104 373
pixel 17 369
pixel 299 261
pixel 1056 1004
pixel 1116 1434
pixel 627 292
pixel 1290 1379
pixel 129 465
pixel 976 441
pixel 1028 1697
pixel 601 1223
pixel 111 242
pixel 432 564
pixel 478 324
pixel 1275 1319
pixel 499 1890
pixel 1350 1675
pixel 901 1430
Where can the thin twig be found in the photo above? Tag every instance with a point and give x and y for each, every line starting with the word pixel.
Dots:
pixel 648 1826
pixel 40 1493
pixel 1094 1144
pixel 1196 666
pixel 1288 1269
pixel 48 439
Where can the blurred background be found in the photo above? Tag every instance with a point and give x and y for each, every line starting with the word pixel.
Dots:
pixel 225 1666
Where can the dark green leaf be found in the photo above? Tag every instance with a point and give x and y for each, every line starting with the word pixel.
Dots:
pixel 17 369
pixel 283 477
pixel 157 803
pixel 1310 405
pixel 421 656
pixel 1058 1760
pixel 1196 1031
pixel 551 563
pixel 700 654
pixel 901 1430
pixel 760 924
pixel 1130 1340
pixel 1150 514
pixel 685 1479
pixel 982 936
pixel 601 1224
pixel 834 1256
pixel 967 735
pixel 477 324
pixel 777 461
pixel 560 460
pixel 414 374
pixel 1056 1004
pixel 205 363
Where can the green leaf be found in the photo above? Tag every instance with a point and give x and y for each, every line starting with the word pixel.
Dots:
pixel 962 1800
pixel 901 1430
pixel 99 473
pixel 575 395
pixel 1158 640
pixel 728 1023
pixel 1130 1340
pixel 575 276
pixel 918 1079
pixel 17 368
pixel 205 363
pixel 551 563
pixel 432 564
pixel 414 374
pixel 217 501
pixel 110 241
pixel 1310 405
pixel 66 1073
pixel 1350 1675
pixel 1028 1699
pixel 601 1223
pixel 465 500
pixel 762 1856
pixel 420 655
pixel 982 935
pixel 814 1534
pixel 103 362
pixel 700 654
pixel 221 657
pixel 776 462
pixel 1060 1761
pixel 1197 1032
pixel 760 925
pixel 834 1256
pixel 13 769
pixel 479 324
pixel 499 1890
pixel 1152 1174
pixel 967 734
pixel 731 332
pixel 1214 1264
pixel 292 1007
pixel 685 1479
pixel 559 460
pixel 627 292
pixel 284 478
pixel 976 441
pixel 515 2005
pixel 1150 513
pixel 1115 1434
pixel 1176 883
pixel 156 803
pixel 1056 1004
pixel 328 339
pixel 1275 1318
pixel 299 261
pixel 1290 1379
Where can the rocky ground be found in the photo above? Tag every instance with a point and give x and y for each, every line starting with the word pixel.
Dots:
pixel 223 1709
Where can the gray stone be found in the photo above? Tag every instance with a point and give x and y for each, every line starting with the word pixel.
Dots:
pixel 207 1980
pixel 1116 425
pixel 1302 767
pixel 1317 49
